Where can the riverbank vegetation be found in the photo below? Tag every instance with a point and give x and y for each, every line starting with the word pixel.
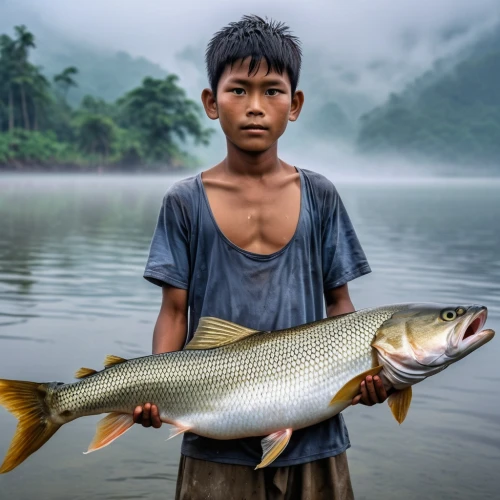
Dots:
pixel 148 127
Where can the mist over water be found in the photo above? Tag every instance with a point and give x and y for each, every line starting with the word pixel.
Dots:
pixel 72 252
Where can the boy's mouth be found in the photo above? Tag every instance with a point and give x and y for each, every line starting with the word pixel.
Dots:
pixel 254 126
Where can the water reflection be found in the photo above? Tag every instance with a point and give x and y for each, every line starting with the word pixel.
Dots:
pixel 72 251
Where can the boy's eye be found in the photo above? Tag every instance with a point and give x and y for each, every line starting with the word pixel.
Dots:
pixel 238 91
pixel 273 91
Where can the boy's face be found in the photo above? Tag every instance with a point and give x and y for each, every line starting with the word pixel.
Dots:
pixel 263 100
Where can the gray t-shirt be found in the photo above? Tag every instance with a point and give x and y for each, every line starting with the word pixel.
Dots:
pixel 264 292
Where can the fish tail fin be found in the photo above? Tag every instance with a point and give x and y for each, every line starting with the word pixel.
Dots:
pixel 26 401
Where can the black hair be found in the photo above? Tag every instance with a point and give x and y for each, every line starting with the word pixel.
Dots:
pixel 253 37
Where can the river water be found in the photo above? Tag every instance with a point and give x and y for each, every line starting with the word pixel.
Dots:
pixel 72 252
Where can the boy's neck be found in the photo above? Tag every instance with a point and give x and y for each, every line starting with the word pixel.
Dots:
pixel 250 164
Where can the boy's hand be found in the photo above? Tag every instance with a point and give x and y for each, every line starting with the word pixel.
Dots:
pixel 372 392
pixel 147 415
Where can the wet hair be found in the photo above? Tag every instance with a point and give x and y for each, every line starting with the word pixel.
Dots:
pixel 253 37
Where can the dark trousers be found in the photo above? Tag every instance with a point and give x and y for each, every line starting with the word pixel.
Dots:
pixel 325 479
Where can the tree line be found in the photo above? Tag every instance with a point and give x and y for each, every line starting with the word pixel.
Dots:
pixel 146 127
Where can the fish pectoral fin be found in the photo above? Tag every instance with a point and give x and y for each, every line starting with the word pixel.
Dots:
pixel 215 332
pixel 273 445
pixel 399 403
pixel 84 372
pixel 351 388
pixel 177 429
pixel 112 360
pixel 109 428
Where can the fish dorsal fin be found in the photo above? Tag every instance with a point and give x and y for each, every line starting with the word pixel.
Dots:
pixel 399 403
pixel 215 332
pixel 84 372
pixel 113 360
pixel 351 388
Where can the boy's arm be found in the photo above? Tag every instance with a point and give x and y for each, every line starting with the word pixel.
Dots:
pixel 169 335
pixel 338 301
pixel 171 326
pixel 372 389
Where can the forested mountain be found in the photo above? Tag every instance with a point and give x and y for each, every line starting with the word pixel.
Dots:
pixel 447 115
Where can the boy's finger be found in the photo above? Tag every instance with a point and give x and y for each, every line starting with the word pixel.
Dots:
pixel 137 415
pixel 380 389
pixel 371 390
pixel 356 400
pixel 365 398
pixel 146 415
pixel 155 417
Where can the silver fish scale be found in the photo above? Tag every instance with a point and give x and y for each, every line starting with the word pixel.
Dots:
pixel 266 382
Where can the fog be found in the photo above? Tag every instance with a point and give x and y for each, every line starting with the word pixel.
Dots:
pixel 355 53
pixel 387 42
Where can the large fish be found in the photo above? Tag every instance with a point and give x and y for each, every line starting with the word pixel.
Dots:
pixel 233 382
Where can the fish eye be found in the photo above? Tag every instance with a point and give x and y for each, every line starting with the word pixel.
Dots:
pixel 460 311
pixel 448 314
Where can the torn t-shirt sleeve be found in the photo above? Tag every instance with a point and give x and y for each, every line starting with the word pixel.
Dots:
pixel 343 258
pixel 168 261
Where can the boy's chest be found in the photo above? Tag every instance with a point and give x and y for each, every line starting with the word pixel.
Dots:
pixel 258 219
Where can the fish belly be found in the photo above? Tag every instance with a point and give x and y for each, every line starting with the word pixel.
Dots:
pixel 294 395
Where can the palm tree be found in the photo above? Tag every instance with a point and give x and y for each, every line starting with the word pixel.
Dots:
pixel 65 80
pixel 40 91
pixel 24 41
pixel 7 72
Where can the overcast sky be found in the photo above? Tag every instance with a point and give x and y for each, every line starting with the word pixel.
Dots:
pixel 404 34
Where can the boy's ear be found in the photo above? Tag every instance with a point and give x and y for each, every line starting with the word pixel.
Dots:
pixel 210 104
pixel 297 103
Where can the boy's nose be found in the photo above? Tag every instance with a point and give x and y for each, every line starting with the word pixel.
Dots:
pixel 255 107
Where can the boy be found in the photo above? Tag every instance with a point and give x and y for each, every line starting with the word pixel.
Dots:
pixel 261 243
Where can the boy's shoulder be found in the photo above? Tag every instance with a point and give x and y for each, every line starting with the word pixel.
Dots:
pixel 183 186
pixel 183 190
pixel 321 185
pixel 182 198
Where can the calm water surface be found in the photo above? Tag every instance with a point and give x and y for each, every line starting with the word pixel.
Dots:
pixel 72 252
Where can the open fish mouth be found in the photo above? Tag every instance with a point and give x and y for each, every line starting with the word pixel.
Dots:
pixel 470 335
pixel 475 323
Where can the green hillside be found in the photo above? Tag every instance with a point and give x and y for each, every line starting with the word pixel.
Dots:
pixel 448 116
pixel 148 126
